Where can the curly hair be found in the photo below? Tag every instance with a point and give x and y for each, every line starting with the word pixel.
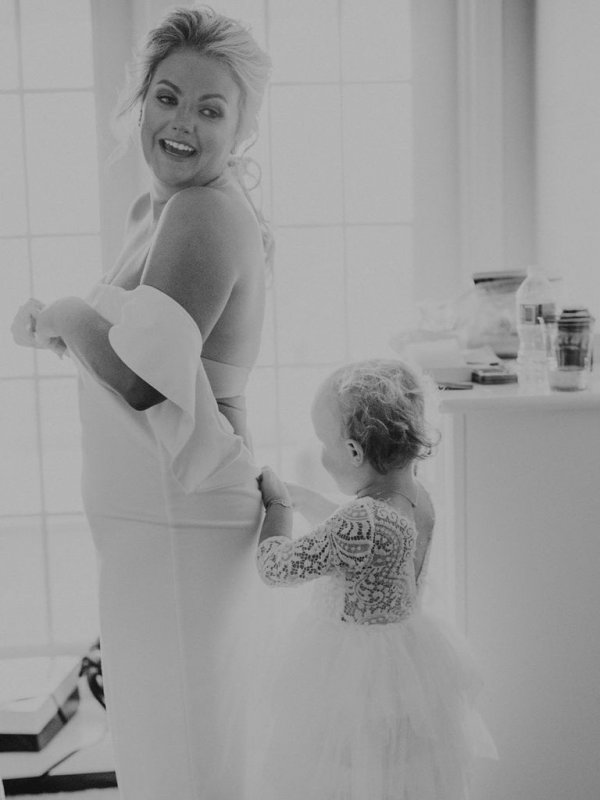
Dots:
pixel 382 403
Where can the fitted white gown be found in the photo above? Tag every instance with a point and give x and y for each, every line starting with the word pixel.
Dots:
pixel 173 504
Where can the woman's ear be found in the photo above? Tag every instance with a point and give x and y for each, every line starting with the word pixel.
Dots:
pixel 355 451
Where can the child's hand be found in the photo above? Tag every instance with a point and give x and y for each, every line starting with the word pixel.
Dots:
pixel 272 487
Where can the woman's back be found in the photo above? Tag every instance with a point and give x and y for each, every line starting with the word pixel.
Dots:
pixel 234 336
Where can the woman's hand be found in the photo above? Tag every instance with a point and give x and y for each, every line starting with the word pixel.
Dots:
pixel 30 328
pixel 46 327
pixel 47 322
pixel 272 487
pixel 24 323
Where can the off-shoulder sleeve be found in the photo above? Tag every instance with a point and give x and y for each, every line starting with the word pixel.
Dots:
pixel 161 343
pixel 343 542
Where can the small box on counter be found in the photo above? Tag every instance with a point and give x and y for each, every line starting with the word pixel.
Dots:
pixel 493 375
pixel 38 696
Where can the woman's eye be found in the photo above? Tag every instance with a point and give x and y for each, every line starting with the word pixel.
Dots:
pixel 166 99
pixel 212 113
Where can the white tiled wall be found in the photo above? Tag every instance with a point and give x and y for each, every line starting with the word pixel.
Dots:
pixel 49 246
pixel 336 153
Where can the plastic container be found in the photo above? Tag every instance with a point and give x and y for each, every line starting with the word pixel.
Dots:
pixel 573 346
pixel 536 330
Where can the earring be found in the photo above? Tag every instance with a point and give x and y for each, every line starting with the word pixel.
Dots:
pixel 140 117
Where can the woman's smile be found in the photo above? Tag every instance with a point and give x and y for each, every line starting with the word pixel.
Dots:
pixel 177 149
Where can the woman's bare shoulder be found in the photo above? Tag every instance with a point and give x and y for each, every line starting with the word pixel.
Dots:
pixel 209 209
pixel 201 253
pixel 204 229
pixel 215 226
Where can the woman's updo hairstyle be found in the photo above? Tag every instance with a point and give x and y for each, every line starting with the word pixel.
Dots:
pixel 209 33
pixel 382 405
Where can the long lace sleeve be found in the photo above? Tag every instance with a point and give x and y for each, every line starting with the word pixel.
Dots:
pixel 342 543
pixel 283 561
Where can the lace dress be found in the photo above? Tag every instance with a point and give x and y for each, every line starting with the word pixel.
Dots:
pixel 370 699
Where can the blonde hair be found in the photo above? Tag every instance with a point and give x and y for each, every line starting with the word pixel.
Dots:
pixel 382 404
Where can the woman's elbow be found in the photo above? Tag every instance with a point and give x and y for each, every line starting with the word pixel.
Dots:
pixel 141 396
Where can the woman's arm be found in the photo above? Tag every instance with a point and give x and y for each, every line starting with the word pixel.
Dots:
pixel 192 260
pixel 85 333
pixel 196 254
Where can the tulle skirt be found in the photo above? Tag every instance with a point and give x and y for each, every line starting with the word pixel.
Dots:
pixel 366 712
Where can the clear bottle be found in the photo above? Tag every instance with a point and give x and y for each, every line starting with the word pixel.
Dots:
pixel 536 323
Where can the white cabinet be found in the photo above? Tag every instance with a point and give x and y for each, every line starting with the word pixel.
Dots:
pixel 521 516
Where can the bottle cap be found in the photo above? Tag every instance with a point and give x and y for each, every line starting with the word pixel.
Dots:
pixel 576 318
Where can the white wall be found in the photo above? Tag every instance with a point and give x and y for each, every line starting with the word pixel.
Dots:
pixel 495 113
pixel 438 271
pixel 568 145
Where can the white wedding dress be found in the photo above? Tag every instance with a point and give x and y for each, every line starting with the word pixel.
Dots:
pixel 174 508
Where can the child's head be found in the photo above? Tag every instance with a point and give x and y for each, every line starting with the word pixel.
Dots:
pixel 371 412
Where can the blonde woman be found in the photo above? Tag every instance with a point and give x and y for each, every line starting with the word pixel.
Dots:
pixel 164 345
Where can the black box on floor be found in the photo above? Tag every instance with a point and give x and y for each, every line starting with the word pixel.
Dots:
pixel 79 757
pixel 33 742
pixel 38 696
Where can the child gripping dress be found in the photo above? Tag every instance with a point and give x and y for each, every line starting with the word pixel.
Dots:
pixel 369 697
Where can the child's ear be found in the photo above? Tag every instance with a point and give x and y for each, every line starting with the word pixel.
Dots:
pixel 355 452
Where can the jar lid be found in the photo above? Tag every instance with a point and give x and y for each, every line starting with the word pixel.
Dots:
pixel 576 317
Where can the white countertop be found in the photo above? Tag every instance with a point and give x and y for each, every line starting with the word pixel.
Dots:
pixel 509 396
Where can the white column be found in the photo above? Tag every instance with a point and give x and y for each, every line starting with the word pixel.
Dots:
pixel 568 145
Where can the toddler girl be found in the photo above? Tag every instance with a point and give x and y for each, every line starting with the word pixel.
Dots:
pixel 371 699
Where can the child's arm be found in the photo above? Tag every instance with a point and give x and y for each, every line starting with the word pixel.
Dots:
pixel 281 560
pixel 313 506
pixel 344 541
pixel 278 520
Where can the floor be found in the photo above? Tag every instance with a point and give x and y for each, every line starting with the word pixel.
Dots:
pixel 90 794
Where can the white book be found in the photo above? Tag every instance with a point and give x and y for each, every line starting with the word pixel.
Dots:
pixel 32 690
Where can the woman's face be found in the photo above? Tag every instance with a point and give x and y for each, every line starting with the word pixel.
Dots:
pixel 189 120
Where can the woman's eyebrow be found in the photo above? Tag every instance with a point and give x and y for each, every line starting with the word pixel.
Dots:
pixel 212 95
pixel 168 83
pixel 177 90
